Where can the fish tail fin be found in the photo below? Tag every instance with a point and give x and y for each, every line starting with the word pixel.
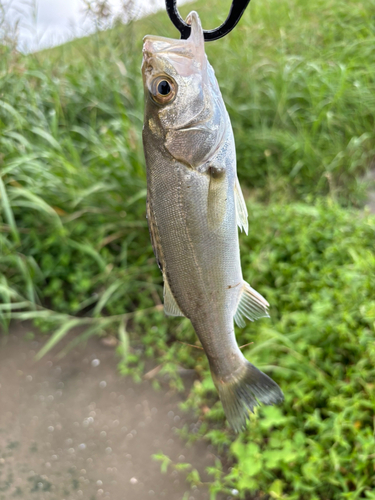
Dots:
pixel 243 390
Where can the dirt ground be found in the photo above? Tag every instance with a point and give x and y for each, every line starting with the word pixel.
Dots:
pixel 75 429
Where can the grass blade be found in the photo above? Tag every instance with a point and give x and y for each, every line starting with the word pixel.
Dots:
pixel 57 336
pixel 8 212
pixel 124 340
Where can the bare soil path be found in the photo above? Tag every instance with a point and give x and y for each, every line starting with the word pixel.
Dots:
pixel 74 429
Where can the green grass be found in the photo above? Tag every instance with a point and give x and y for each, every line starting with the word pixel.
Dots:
pixel 298 80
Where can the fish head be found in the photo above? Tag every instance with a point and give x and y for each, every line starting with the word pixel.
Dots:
pixel 183 104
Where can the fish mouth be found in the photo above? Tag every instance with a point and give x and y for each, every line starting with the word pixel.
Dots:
pixel 157 38
pixel 155 45
pixel 185 56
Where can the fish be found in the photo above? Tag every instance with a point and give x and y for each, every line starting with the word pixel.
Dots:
pixel 194 205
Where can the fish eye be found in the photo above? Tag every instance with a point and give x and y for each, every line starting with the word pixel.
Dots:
pixel 163 90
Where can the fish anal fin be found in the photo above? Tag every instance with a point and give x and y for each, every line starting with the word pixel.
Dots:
pixel 217 196
pixel 251 305
pixel 170 305
pixel 241 210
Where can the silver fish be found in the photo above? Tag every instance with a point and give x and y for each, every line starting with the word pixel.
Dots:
pixel 194 204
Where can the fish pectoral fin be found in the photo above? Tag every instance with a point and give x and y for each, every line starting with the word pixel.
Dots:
pixel 241 210
pixel 170 305
pixel 217 197
pixel 251 305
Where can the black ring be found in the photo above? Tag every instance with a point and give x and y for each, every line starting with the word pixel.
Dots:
pixel 236 10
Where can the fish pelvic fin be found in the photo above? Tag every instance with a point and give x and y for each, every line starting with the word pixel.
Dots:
pixel 170 305
pixel 244 389
pixel 251 305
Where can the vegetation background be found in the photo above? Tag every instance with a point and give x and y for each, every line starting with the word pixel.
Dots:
pixel 298 79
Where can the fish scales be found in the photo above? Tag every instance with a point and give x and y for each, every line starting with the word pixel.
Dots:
pixel 203 260
pixel 194 204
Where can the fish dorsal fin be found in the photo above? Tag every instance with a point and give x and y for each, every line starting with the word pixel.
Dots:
pixel 241 210
pixel 251 305
pixel 170 306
